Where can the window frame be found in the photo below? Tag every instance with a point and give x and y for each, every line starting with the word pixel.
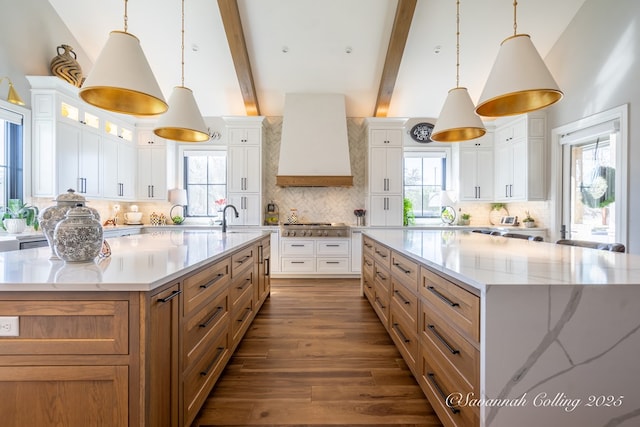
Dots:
pixel 25 113
pixel 442 152
pixel 183 152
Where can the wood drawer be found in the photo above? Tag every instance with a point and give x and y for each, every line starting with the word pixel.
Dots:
pixel 458 355
pixel 406 302
pixel 241 284
pixel 67 327
pixel 367 265
pixel 202 376
pixel 400 329
pixel 437 384
pixel 382 255
pixel 367 286
pixel 381 303
pixel 381 275
pixel 405 270
pixel 241 316
pixel 367 246
pixel 70 396
pixel 242 260
pixel 203 325
pixel 204 284
pixel 458 306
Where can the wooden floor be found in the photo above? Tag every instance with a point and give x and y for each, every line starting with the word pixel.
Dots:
pixel 315 355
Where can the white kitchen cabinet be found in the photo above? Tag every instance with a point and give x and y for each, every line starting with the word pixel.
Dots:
pixel 356 251
pixel 78 159
pixel 385 173
pixel 245 136
pixel 520 159
pixel 315 256
pixel 152 173
pixel 244 169
pixel 475 169
pixel 384 176
pixel 68 139
pixel 385 210
pixel 274 264
pixel 119 163
pixel 249 209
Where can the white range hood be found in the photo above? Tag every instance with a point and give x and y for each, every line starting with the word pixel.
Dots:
pixel 314 151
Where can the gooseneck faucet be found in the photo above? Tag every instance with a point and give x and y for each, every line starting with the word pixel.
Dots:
pixel 224 216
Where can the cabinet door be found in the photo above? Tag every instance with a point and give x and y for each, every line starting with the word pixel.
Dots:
pixel 249 209
pixel 127 169
pixel 68 157
pixel 163 386
pixel 70 396
pixel 244 169
pixel 110 178
pixel 468 174
pixel 518 191
pixel 386 210
pixel 152 173
pixel 243 136
pixel 484 174
pixel 504 171
pixel 385 175
pixel 386 137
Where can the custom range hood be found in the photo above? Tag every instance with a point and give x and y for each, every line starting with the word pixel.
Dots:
pixel 314 151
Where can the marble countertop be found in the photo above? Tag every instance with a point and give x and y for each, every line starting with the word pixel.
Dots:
pixel 482 260
pixel 139 262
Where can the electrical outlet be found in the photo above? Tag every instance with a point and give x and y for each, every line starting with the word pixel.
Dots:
pixel 9 326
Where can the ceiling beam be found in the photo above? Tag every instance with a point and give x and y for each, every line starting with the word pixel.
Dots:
pixel 397 42
pixel 235 37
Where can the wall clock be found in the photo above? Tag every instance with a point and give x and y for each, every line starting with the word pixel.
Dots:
pixel 421 132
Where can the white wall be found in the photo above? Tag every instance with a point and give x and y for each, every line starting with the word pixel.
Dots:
pixel 596 62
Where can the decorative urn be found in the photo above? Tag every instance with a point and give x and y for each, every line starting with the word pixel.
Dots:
pixel 78 237
pixel 51 216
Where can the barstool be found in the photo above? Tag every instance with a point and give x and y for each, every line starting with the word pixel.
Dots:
pixel 524 236
pixel 612 247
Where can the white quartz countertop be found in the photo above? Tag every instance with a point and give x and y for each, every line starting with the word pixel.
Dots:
pixel 138 262
pixel 482 260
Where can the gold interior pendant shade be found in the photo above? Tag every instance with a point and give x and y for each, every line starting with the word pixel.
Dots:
pixel 458 120
pixel 12 95
pixel 183 122
pixel 121 79
pixel 519 81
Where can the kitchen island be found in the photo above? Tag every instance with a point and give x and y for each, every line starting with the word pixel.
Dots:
pixel 138 338
pixel 510 332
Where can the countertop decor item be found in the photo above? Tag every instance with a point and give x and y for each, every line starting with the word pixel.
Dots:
pixel 360 213
pixel 78 237
pixel 178 197
pixel 65 66
pixel 528 220
pixel 17 216
pixel 52 215
pixel 498 210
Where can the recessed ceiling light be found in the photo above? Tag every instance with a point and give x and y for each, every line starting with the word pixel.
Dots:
pixel 348 49
pixel 437 49
pixel 285 49
pixel 195 47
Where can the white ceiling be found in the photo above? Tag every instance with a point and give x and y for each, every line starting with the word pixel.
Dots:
pixel 317 34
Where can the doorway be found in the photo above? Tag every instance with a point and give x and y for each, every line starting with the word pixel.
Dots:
pixel 592 198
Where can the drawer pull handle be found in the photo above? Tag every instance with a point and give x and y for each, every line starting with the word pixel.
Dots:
pixel 380 275
pixel 170 297
pixel 403 337
pixel 241 287
pixel 333 246
pixel 210 319
pixel 297 262
pixel 379 302
pixel 333 262
pixel 367 263
pixel 242 319
pixel 404 300
pixel 218 277
pixel 368 245
pixel 432 328
pixel 246 257
pixel 297 246
pixel 443 395
pixel 213 362
pixel 442 297
pixel 381 254
pixel 401 268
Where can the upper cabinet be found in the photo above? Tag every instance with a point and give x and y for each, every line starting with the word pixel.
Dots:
pixel 73 144
pixel 152 167
pixel 474 163
pixel 520 158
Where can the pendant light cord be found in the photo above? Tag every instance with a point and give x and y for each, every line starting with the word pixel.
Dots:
pixel 458 44
pixel 126 19
pixel 182 45
pixel 515 22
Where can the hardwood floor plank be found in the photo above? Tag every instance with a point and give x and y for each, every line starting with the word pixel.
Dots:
pixel 316 355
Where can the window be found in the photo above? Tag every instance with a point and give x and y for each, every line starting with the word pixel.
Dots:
pixel 11 172
pixel 205 177
pixel 425 175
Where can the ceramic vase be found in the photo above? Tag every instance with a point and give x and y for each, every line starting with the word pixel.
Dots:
pixel 78 237
pixel 65 66
pixel 15 225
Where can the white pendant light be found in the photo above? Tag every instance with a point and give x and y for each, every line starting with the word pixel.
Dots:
pixel 519 81
pixel 121 79
pixel 458 120
pixel 183 122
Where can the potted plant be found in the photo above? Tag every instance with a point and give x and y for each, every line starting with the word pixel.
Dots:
pixel 528 221
pixel 465 219
pixel 408 217
pixel 16 216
